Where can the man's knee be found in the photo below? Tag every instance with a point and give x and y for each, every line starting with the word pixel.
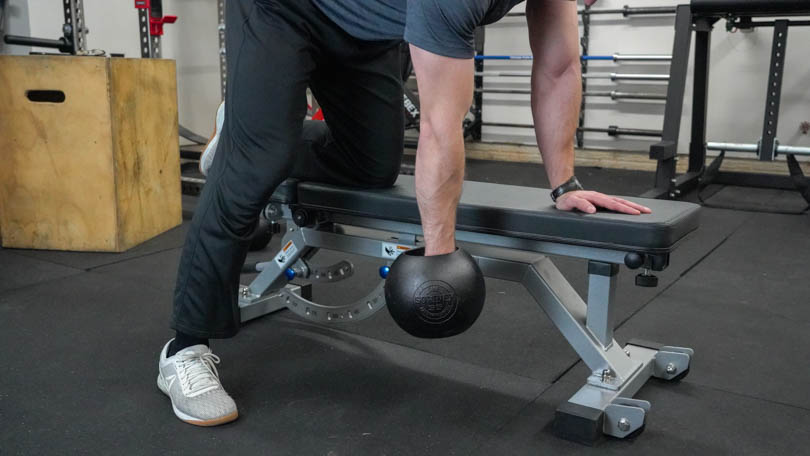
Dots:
pixel 386 174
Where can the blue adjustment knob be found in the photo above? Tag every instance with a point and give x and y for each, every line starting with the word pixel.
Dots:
pixel 289 273
pixel 384 270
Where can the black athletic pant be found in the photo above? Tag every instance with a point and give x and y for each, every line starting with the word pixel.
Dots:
pixel 276 49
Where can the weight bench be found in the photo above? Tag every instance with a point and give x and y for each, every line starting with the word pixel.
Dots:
pixel 508 230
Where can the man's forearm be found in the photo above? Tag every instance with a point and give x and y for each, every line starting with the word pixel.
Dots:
pixel 555 107
pixel 439 180
pixel 556 83
pixel 445 88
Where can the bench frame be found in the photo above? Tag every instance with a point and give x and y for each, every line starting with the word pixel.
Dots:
pixel 604 404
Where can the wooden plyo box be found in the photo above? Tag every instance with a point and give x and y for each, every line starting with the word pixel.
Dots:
pixel 89 156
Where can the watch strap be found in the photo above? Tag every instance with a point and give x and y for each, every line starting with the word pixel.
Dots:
pixel 570 185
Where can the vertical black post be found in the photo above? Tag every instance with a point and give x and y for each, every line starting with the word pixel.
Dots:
pixel 700 98
pixel 74 28
pixel 478 96
pixel 150 44
pixel 223 64
pixel 767 145
pixel 666 151
pixel 143 30
pixel 584 42
pixel 156 12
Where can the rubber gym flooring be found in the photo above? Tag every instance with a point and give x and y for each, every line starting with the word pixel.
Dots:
pixel 80 335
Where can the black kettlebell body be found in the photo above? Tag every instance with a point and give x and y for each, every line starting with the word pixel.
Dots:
pixel 436 296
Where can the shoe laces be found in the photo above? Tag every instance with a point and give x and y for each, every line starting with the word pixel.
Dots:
pixel 197 373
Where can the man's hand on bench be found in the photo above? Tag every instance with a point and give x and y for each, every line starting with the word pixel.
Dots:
pixel 588 202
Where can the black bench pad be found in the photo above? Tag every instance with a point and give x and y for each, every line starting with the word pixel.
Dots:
pixel 752 7
pixel 511 211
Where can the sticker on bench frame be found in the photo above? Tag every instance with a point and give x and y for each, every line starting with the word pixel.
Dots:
pixel 286 254
pixel 392 251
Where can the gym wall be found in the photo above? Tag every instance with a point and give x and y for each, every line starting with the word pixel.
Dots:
pixel 738 79
pixel 14 21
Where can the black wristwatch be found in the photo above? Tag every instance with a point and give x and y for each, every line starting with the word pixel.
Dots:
pixel 570 185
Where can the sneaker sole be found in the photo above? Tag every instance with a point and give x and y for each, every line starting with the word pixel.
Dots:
pixel 210 148
pixel 190 419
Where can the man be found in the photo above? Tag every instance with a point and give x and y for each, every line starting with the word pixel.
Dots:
pixel 346 51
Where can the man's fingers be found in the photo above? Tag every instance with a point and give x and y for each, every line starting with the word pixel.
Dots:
pixel 587 202
pixel 617 206
pixel 584 205
pixel 638 207
pixel 613 204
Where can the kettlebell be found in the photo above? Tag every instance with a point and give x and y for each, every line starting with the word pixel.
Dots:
pixel 435 296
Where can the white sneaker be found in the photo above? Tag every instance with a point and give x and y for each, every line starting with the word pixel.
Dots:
pixel 207 157
pixel 191 381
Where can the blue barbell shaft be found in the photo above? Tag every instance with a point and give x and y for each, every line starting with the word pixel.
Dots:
pixel 504 57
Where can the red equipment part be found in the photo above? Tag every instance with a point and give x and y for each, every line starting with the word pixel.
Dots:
pixel 156 21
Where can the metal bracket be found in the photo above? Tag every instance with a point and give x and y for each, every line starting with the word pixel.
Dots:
pixel 671 362
pixel 610 380
pixel 625 416
pixel 253 306
pixel 709 175
pixel 334 273
pixel 799 180
pixel 356 311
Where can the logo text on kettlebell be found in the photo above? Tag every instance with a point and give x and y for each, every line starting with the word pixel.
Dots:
pixel 436 302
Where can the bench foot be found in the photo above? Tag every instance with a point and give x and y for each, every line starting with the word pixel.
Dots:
pixel 578 423
pixel 609 409
pixel 671 363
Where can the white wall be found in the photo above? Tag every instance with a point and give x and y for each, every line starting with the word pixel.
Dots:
pixel 113 24
pixel 14 22
pixel 738 81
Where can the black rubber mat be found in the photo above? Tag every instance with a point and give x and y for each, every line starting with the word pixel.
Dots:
pixel 756 199
pixel 171 239
pixel 159 270
pixel 18 271
pixel 744 310
pixel 79 368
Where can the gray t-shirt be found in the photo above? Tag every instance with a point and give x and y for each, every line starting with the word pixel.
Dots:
pixel 444 27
